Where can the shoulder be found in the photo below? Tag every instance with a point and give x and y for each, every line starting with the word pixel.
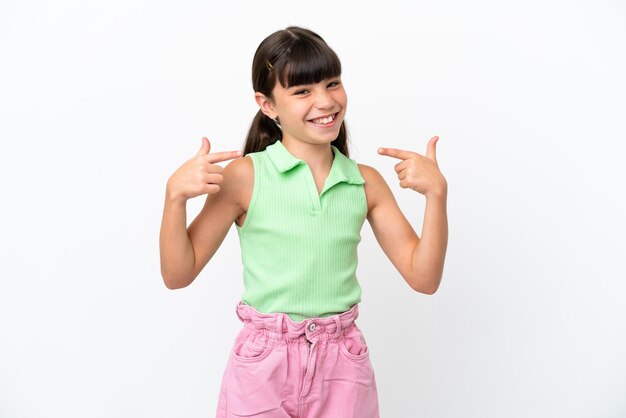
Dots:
pixel 238 179
pixel 371 176
pixel 376 188
pixel 368 172
pixel 240 169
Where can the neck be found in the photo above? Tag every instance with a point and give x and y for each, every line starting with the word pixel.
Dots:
pixel 317 156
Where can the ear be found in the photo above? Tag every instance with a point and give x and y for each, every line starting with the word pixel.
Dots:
pixel 265 104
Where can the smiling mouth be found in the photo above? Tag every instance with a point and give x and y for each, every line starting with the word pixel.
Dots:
pixel 326 121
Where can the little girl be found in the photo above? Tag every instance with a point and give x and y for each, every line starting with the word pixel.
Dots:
pixel 298 203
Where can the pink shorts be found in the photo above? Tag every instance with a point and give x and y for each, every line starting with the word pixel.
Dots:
pixel 317 368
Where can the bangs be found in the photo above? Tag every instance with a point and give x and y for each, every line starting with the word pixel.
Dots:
pixel 308 62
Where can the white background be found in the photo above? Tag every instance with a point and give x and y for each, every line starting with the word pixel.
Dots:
pixel 101 101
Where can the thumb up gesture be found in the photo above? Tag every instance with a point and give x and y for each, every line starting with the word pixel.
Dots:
pixel 199 175
pixel 418 172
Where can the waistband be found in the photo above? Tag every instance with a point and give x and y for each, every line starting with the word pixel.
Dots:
pixel 280 325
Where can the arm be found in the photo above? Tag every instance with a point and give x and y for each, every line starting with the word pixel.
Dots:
pixel 208 230
pixel 176 251
pixel 185 251
pixel 430 252
pixel 419 261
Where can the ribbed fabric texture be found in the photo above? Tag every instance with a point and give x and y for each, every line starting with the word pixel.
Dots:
pixel 298 247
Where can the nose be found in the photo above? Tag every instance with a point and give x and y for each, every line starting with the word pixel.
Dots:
pixel 324 99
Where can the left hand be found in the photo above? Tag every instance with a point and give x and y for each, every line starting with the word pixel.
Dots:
pixel 418 172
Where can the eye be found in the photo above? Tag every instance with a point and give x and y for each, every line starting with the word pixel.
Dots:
pixel 301 91
pixel 336 83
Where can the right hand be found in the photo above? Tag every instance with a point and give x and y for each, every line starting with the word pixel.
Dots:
pixel 199 175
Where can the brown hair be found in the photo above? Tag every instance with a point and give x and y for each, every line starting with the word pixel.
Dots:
pixel 299 56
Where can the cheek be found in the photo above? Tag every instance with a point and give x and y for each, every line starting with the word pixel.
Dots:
pixel 341 98
pixel 298 111
pixel 292 116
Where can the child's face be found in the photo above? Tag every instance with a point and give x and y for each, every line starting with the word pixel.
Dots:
pixel 297 106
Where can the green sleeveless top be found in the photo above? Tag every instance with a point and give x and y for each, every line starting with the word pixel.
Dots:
pixel 298 247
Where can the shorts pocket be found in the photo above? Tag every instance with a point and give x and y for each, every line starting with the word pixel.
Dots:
pixel 353 344
pixel 251 345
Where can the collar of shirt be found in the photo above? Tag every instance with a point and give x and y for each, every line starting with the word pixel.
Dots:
pixel 342 169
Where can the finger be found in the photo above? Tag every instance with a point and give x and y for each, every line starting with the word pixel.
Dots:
pixel 213 178
pixel 400 166
pixel 431 151
pixel 214 168
pixel 205 148
pixel 224 156
pixel 396 153
pixel 212 188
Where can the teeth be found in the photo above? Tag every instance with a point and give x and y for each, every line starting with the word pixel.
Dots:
pixel 323 121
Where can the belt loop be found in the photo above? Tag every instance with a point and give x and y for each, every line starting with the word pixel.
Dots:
pixel 237 311
pixel 278 325
pixel 356 311
pixel 338 330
